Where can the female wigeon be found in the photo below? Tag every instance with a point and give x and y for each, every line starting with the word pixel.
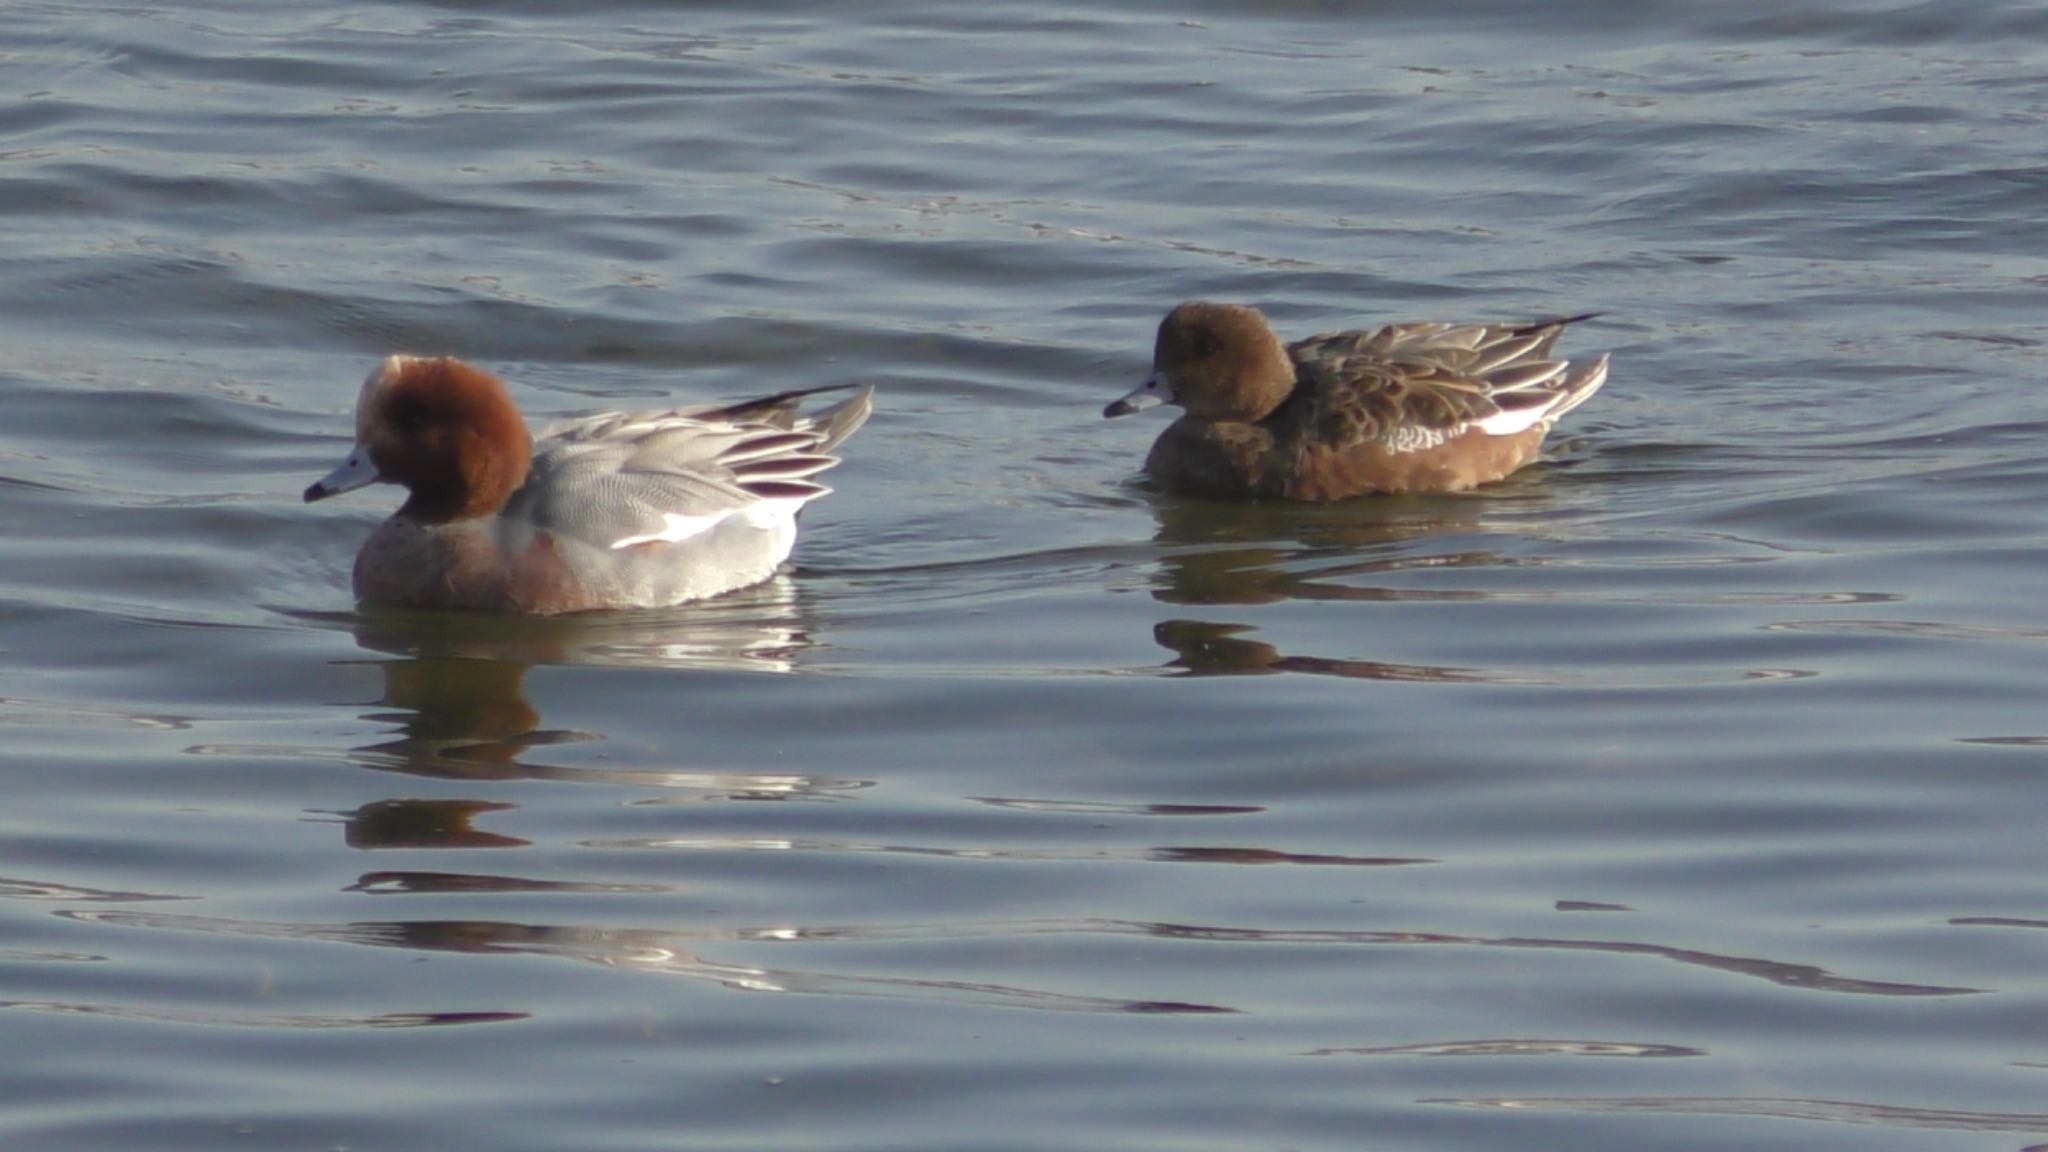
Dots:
pixel 617 510
pixel 1404 408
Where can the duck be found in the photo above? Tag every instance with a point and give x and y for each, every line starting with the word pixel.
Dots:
pixel 1410 407
pixel 613 510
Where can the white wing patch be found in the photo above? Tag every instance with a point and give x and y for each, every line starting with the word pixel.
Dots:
pixel 675 527
pixel 1509 421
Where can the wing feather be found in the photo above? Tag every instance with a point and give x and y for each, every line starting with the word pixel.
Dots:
pixel 621 479
pixel 1412 387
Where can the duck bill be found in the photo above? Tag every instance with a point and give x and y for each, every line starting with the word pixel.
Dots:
pixel 1150 394
pixel 355 472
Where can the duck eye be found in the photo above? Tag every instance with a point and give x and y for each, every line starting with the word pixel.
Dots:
pixel 408 417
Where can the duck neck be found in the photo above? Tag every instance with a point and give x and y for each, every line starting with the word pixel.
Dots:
pixel 474 485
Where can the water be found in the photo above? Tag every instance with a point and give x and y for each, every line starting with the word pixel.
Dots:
pixel 1684 792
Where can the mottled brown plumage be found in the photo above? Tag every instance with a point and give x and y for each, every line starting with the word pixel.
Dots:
pixel 1404 408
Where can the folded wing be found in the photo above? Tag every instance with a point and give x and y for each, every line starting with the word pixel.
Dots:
pixel 624 479
pixel 1412 387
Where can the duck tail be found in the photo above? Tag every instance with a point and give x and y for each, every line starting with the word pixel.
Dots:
pixel 835 423
pixel 1535 326
pixel 1578 386
pixel 843 419
pixel 1547 330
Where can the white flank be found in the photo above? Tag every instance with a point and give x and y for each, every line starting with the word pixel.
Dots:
pixel 773 513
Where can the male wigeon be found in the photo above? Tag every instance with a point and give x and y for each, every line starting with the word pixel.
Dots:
pixel 617 510
pixel 1404 408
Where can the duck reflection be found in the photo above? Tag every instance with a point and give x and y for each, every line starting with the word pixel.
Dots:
pixel 1250 554
pixel 424 824
pixel 672 953
pixel 1205 649
pixel 454 695
pixel 758 629
pixel 457 694
pixel 1224 553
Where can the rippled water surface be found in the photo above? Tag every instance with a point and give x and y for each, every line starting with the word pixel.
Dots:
pixel 1686 791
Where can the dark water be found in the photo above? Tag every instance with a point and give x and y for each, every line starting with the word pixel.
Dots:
pixel 1685 792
